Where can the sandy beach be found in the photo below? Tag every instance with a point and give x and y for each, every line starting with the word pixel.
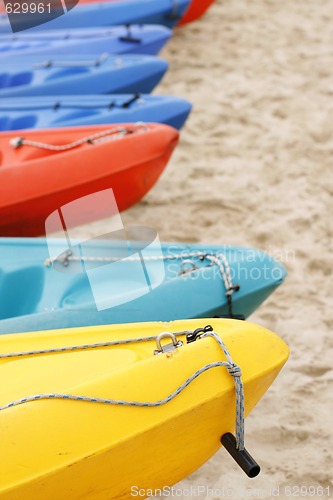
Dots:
pixel 254 168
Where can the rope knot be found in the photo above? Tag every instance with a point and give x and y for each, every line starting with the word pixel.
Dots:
pixel 232 289
pixel 234 370
pixel 16 142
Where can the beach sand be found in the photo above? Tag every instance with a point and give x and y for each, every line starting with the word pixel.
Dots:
pixel 254 168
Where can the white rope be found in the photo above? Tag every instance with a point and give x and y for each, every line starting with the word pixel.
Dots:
pixel 219 259
pixel 72 258
pixel 110 134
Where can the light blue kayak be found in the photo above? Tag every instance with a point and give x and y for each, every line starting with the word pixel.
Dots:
pixel 93 284
pixel 163 12
pixel 93 41
pixel 65 111
pixel 80 75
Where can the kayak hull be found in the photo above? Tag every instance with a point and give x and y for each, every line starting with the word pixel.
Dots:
pixel 163 12
pixel 75 75
pixel 196 10
pixel 71 111
pixel 71 449
pixel 61 177
pixel 61 297
pixel 115 40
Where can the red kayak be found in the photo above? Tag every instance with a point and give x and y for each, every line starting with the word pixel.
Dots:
pixel 42 170
pixel 196 10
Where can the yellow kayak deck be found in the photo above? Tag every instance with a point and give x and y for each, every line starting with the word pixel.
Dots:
pixel 71 449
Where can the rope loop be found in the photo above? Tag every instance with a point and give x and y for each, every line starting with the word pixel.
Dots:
pixel 218 259
pixel 233 369
pixel 105 135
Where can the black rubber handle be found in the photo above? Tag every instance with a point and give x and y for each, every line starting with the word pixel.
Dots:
pixel 243 458
pixel 130 39
pixel 131 100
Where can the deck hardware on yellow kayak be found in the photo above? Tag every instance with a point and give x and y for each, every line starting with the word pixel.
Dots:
pixel 169 347
pixel 233 370
pixel 241 456
pixel 234 445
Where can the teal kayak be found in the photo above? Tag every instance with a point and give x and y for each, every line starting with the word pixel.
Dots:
pixel 44 285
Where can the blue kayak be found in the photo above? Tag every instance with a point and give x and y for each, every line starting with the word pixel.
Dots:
pixel 66 111
pixel 114 40
pixel 77 75
pixel 163 12
pixel 93 284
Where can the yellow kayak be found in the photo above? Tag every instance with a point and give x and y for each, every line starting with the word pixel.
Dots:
pixel 84 415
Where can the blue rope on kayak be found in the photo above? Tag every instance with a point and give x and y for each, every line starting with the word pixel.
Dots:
pixel 236 372
pixel 79 347
pixel 233 369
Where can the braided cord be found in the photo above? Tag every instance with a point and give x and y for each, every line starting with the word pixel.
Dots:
pixel 83 347
pixel 236 372
pixel 109 134
pixel 219 259
pixel 72 258
pixel 233 369
pixel 118 103
pixel 72 64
